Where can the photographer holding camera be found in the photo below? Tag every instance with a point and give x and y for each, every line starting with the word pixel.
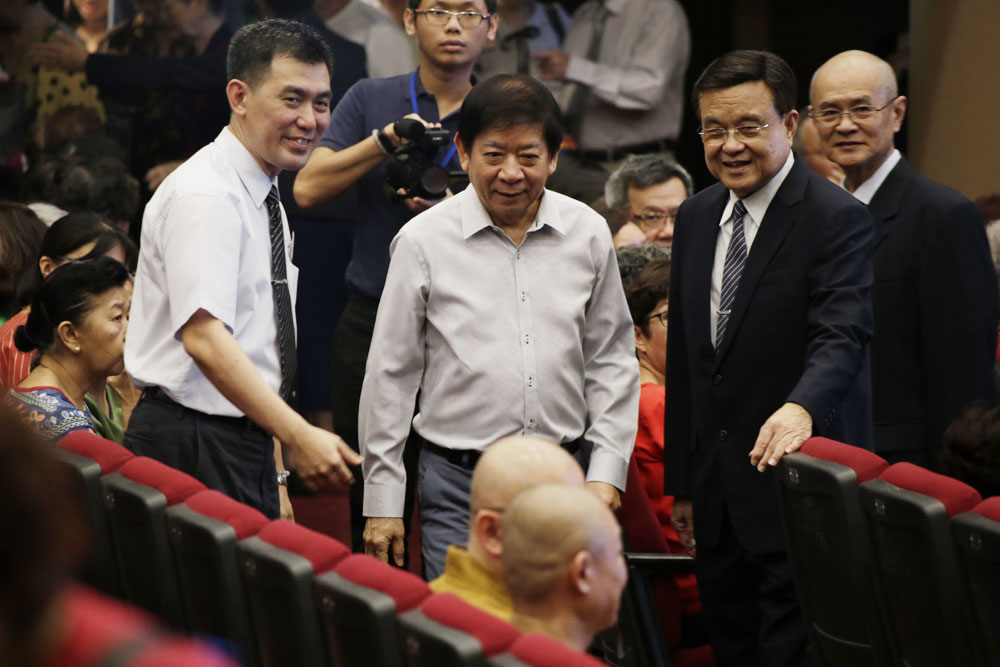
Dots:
pixel 363 142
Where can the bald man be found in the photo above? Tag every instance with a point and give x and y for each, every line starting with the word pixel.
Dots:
pixel 563 563
pixel 504 470
pixel 935 294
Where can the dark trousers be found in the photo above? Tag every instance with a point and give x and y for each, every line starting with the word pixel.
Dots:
pixel 749 605
pixel 228 454
pixel 351 340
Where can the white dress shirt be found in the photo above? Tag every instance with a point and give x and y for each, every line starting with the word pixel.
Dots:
pixel 500 340
pixel 637 86
pixel 756 204
pixel 389 51
pixel 206 245
pixel 867 190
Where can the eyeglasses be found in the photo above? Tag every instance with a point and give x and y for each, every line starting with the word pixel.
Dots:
pixel 718 135
pixel 659 316
pixel 859 114
pixel 650 222
pixel 441 17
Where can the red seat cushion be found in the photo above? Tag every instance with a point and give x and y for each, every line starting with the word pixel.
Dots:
pixel 109 455
pixel 989 508
pixel 541 650
pixel 174 484
pixel 956 496
pixel 322 551
pixel 865 464
pixel 406 589
pixel 245 520
pixel 449 609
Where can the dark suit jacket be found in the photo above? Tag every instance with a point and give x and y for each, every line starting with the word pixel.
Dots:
pixel 799 331
pixel 935 302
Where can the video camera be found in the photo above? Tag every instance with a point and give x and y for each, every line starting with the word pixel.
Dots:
pixel 413 167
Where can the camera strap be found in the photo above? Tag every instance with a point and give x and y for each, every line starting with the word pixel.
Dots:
pixel 413 103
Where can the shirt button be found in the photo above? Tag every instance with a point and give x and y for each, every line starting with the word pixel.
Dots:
pixel 524 297
pixel 717 380
pixel 518 254
pixel 723 434
pixel 526 339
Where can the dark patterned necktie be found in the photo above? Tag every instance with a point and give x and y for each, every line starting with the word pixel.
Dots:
pixel 282 297
pixel 736 259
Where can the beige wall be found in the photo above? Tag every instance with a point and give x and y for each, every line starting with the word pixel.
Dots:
pixel 954 102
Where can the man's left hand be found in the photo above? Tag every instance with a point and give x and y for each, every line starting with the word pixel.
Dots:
pixel 552 64
pixel 782 433
pixel 61 52
pixel 607 493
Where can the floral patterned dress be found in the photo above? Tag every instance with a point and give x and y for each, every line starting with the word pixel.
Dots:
pixel 47 410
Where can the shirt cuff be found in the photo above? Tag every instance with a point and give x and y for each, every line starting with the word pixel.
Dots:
pixel 384 500
pixel 606 467
pixel 581 70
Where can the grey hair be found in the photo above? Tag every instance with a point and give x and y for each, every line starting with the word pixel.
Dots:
pixel 643 171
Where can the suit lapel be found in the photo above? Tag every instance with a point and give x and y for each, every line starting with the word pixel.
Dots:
pixel 778 220
pixel 888 200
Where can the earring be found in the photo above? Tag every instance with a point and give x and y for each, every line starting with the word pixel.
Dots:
pixel 77 348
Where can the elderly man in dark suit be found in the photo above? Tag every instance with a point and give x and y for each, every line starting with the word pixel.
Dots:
pixel 770 317
pixel 935 295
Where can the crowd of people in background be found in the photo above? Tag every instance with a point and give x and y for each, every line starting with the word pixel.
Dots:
pixel 433 249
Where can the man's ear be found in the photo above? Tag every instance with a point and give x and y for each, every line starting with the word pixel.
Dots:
pixel 409 22
pixel 491 31
pixel 898 113
pixel 580 572
pixel 237 93
pixel 463 152
pixel 489 532
pixel 791 122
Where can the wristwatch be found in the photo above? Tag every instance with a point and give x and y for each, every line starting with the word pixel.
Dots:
pixel 283 477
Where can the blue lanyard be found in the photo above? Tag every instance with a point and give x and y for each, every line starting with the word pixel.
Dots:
pixel 413 104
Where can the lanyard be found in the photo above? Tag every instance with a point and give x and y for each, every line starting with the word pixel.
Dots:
pixel 413 104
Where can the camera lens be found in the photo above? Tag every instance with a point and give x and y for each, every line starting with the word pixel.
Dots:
pixel 434 181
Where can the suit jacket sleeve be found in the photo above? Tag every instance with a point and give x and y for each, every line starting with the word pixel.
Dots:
pixel 678 430
pixel 839 314
pixel 958 315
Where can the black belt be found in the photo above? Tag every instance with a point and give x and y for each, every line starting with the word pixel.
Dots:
pixel 621 152
pixel 467 458
pixel 244 424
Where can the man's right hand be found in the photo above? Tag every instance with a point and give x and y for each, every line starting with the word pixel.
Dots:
pixel 383 534
pixel 682 519
pixel 321 458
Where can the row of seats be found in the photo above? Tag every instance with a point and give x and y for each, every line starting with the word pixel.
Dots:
pixel 272 592
pixel 895 565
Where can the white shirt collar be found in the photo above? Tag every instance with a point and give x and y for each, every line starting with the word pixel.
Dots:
pixel 254 179
pixel 758 202
pixel 475 217
pixel 867 190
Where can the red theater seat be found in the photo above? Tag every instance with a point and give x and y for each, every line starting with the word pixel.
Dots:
pixel 917 572
pixel 829 550
pixel 204 530
pixel 88 457
pixel 137 497
pixel 278 565
pixel 538 650
pixel 446 631
pixel 977 536
pixel 358 603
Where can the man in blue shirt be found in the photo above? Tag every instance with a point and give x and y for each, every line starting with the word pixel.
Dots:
pixel 450 35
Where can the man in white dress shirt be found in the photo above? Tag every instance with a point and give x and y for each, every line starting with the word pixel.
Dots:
pixel 212 328
pixel 503 306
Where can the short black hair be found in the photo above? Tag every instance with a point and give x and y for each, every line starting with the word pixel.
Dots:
pixel 738 67
pixel 67 295
pixel 255 46
pixel 78 184
pixel 971 449
pixel 507 100
pixel 641 172
pixel 491 5
pixel 21 234
pixel 649 288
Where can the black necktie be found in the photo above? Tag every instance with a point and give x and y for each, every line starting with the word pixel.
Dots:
pixel 282 297
pixel 736 259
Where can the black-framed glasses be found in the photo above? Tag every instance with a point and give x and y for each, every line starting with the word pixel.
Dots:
pixel 714 136
pixel 441 17
pixel 659 316
pixel 859 114
pixel 651 222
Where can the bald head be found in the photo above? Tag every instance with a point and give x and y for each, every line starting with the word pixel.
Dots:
pixel 514 464
pixel 859 67
pixel 857 110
